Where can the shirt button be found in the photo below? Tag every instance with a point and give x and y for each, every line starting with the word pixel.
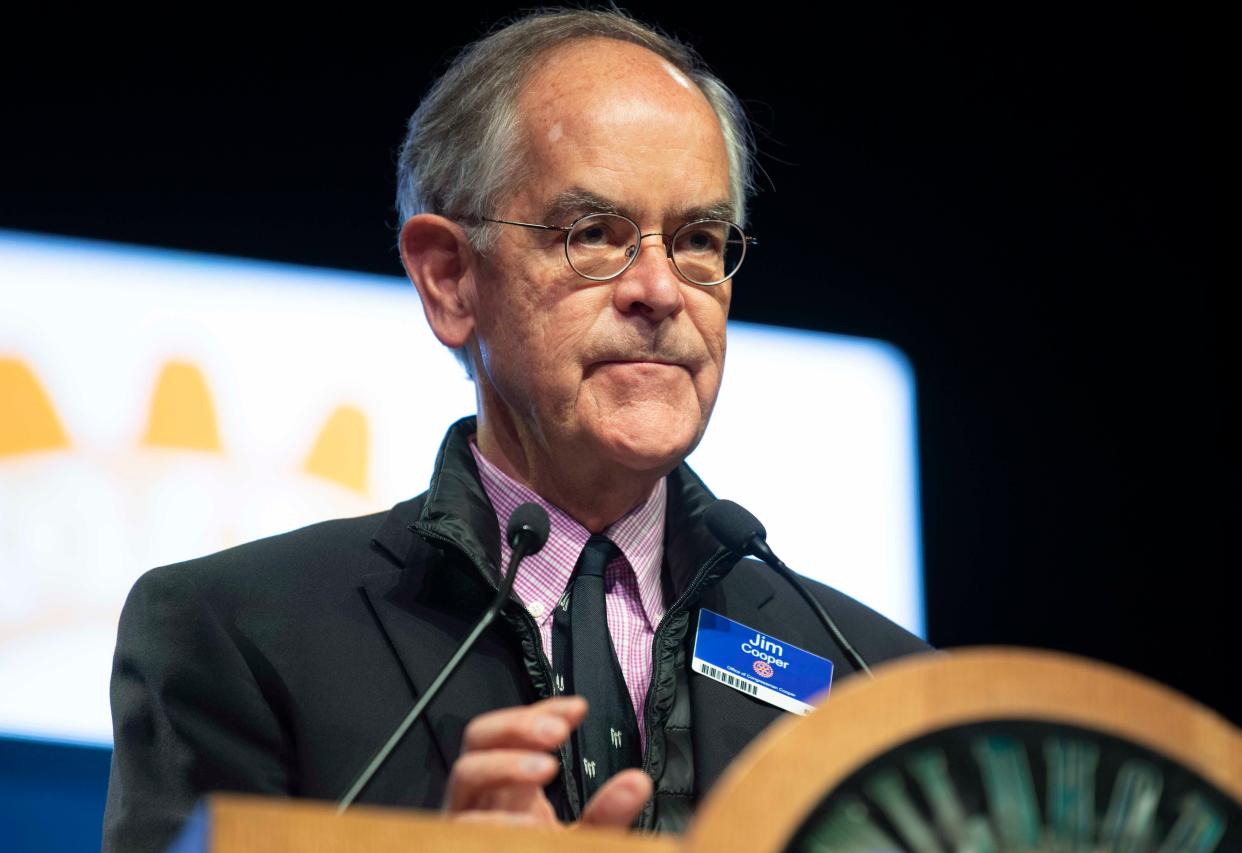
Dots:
pixel 535 608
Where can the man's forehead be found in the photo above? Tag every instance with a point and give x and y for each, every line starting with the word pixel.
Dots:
pixel 613 127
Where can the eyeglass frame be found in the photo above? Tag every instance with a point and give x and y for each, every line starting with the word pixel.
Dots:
pixel 668 239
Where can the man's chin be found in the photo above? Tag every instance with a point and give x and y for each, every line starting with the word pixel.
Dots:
pixel 647 450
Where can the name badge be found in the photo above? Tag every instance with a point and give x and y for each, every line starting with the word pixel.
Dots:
pixel 760 665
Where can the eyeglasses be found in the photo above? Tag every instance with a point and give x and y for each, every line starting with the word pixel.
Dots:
pixel 601 246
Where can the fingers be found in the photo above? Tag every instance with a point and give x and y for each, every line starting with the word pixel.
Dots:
pixel 505 762
pixel 508 779
pixel 619 801
pixel 541 726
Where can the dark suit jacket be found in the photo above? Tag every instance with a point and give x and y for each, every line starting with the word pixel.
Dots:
pixel 279 667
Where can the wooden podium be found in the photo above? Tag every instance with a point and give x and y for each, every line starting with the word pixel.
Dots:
pixel 986 749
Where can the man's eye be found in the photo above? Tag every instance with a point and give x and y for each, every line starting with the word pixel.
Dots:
pixel 603 230
pixel 595 235
pixel 699 240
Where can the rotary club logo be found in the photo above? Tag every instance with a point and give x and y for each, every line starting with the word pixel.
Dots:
pixel 762 668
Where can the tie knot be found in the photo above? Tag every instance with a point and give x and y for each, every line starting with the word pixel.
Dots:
pixel 596 556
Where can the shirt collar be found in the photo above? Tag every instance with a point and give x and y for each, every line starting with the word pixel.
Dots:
pixel 639 534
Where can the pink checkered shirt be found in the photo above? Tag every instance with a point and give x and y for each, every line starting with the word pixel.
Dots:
pixel 633 594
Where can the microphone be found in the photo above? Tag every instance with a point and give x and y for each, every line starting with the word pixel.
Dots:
pixel 526 532
pixel 740 531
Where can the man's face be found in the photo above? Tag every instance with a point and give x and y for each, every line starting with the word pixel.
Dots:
pixel 625 370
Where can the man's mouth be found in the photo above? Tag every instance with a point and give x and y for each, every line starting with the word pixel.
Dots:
pixel 637 367
pixel 641 360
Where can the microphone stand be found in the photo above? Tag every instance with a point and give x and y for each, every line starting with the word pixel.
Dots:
pixel 524 544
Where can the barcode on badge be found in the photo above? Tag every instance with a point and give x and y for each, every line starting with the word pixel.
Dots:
pixel 731 680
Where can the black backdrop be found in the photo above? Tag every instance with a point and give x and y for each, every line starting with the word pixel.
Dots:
pixel 1025 204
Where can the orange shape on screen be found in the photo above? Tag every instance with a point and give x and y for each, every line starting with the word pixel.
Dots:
pixel 340 451
pixel 27 420
pixel 182 413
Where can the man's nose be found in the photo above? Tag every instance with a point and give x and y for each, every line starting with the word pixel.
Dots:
pixel 651 286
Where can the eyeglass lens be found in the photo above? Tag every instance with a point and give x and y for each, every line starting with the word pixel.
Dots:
pixel 600 246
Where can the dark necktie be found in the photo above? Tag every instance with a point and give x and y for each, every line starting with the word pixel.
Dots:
pixel 586 664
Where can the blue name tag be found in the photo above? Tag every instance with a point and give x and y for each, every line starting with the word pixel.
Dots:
pixel 759 665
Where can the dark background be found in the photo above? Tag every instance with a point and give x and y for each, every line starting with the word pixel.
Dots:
pixel 1027 205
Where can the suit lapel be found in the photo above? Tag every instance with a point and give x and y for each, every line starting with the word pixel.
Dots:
pixel 429 602
pixel 425 619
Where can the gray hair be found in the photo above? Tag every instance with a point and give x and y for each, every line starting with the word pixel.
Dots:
pixel 461 149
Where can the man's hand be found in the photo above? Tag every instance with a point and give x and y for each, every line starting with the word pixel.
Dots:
pixel 505 763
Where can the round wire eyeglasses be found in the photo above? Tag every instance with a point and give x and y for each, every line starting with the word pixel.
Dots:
pixel 601 246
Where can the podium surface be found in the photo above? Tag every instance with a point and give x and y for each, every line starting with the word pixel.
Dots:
pixel 983 749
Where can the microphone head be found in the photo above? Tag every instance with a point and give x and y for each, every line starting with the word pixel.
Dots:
pixel 733 525
pixel 528 527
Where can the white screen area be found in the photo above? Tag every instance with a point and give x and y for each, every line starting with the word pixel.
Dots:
pixel 156 406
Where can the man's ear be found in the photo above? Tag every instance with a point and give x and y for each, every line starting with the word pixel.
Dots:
pixel 440 262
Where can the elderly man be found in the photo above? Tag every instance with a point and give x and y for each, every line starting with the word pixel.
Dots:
pixel 572 191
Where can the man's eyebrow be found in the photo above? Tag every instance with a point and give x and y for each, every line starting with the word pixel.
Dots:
pixel 576 201
pixel 716 210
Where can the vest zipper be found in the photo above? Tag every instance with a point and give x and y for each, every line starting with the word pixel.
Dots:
pixel 657 643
